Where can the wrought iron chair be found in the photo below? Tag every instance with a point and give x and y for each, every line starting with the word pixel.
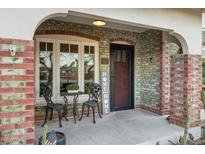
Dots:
pixel 75 104
pixel 47 93
pixel 95 100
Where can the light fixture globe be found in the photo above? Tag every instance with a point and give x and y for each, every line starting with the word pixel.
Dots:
pixel 99 23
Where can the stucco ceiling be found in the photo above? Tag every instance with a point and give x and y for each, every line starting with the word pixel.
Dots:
pixel 88 20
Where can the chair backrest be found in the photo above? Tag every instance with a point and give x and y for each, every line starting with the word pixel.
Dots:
pixel 47 93
pixel 95 92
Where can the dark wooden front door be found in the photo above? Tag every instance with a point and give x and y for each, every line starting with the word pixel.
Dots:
pixel 121 75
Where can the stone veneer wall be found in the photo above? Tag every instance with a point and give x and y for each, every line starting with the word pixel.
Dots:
pixel 16 92
pixel 186 77
pixel 148 71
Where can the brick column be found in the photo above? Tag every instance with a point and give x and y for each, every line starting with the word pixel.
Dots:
pixel 16 92
pixel 164 64
pixel 185 88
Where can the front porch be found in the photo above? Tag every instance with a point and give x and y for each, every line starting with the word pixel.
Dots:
pixel 161 74
pixel 128 127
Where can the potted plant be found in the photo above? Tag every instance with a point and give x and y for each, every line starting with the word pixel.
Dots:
pixel 188 138
pixel 61 138
pixel 184 139
pixel 72 87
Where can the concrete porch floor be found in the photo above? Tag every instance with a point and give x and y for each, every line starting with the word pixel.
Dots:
pixel 119 128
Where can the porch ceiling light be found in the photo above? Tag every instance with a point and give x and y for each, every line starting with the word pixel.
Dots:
pixel 99 23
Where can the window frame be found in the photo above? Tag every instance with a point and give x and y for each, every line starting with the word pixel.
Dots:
pixel 56 40
pixel 96 68
pixel 58 64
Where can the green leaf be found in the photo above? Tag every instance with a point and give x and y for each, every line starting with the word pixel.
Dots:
pixel 45 131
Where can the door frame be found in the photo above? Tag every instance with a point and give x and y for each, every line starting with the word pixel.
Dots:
pixel 131 77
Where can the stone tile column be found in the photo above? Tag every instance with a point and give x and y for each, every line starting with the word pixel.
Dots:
pixel 16 92
pixel 186 76
pixel 104 75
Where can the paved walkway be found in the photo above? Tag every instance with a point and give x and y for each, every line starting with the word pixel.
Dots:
pixel 117 128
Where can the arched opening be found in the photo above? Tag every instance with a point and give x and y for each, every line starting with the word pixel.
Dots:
pixel 51 16
pixel 181 42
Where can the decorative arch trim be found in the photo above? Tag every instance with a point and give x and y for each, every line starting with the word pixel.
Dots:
pixel 62 32
pixel 183 42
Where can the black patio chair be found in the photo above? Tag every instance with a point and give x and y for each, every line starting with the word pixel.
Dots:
pixel 95 100
pixel 47 93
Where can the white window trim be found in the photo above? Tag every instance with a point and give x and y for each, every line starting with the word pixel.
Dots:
pixel 37 80
pixel 56 40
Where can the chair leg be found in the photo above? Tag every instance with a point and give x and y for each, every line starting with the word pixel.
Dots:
pixel 74 117
pixel 77 113
pixel 59 118
pixel 88 111
pixel 74 113
pixel 64 113
pixel 51 114
pixel 46 116
pixel 64 116
pixel 93 108
pixel 99 111
pixel 83 107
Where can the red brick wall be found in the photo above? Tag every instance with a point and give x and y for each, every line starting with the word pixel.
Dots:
pixel 163 60
pixel 17 92
pixel 186 74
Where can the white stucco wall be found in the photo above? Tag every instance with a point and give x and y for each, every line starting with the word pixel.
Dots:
pixel 21 23
pixel 203 20
pixel 183 23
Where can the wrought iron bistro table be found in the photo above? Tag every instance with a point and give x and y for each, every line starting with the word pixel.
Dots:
pixel 74 103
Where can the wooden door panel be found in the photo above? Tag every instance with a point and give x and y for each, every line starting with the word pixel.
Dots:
pixel 121 83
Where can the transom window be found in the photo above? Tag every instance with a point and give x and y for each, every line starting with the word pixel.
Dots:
pixel 65 65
